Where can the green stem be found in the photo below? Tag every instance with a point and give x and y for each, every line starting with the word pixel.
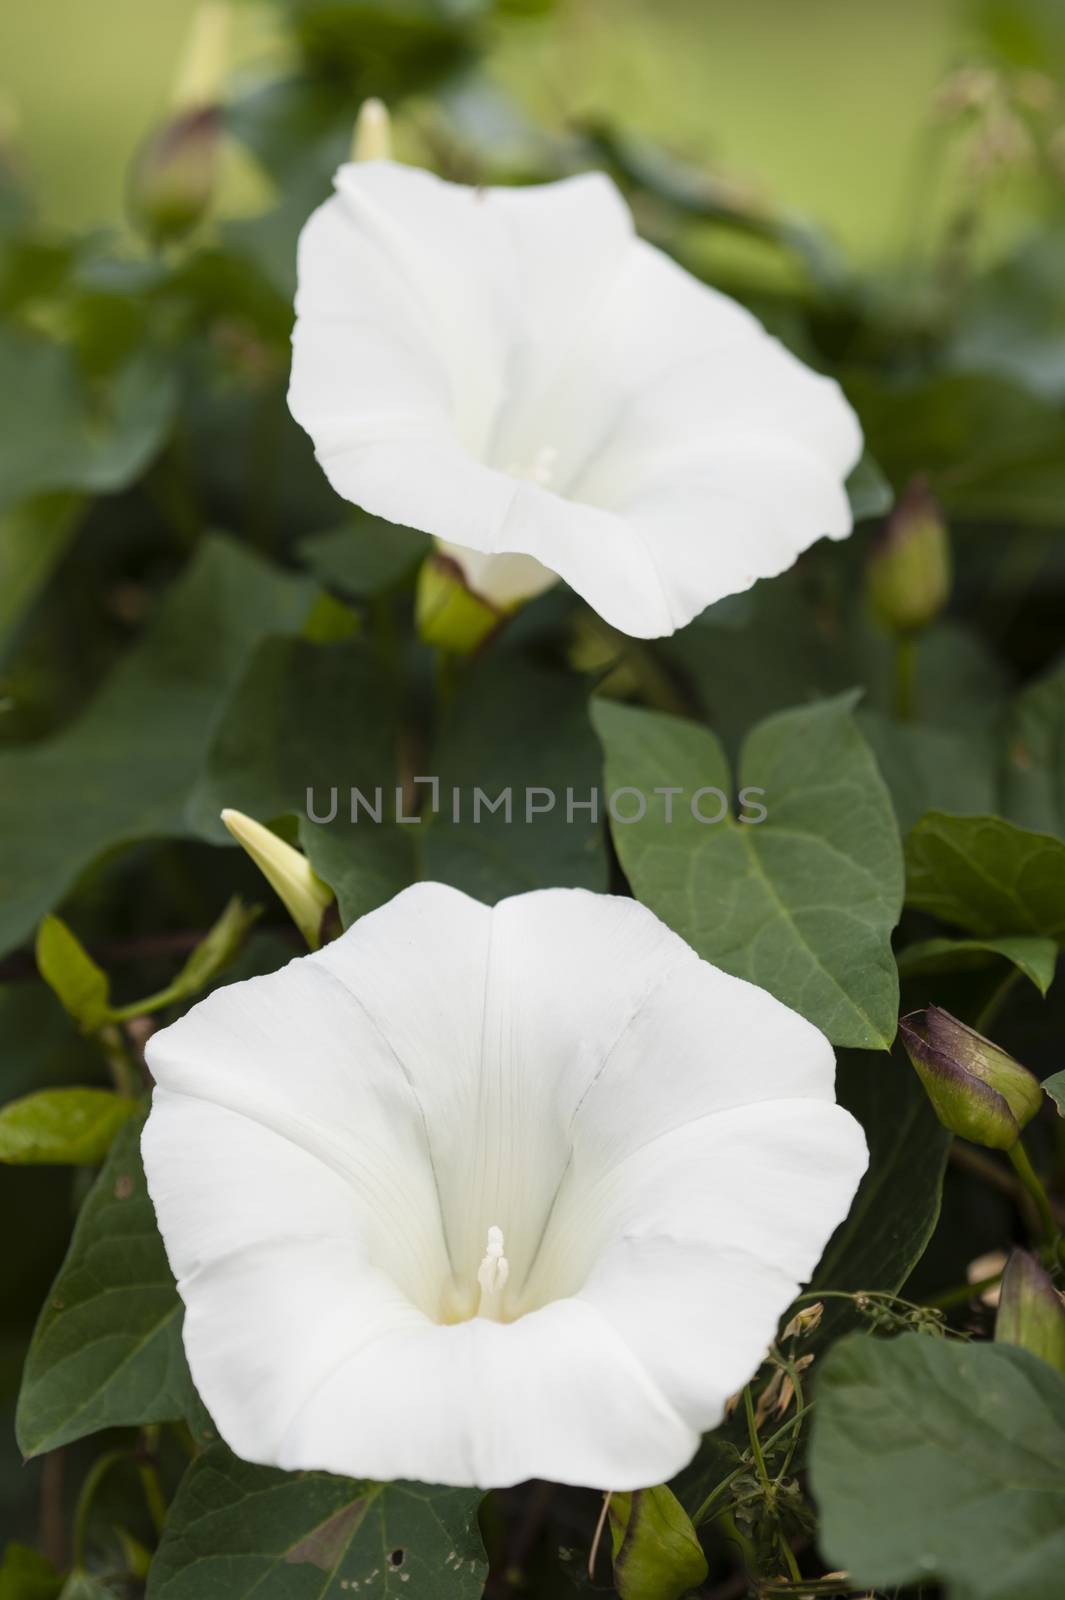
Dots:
pixel 719 1489
pixel 1033 1184
pixel 756 1443
pixel 800 1405
pixel 996 1000
pixel 123 1073
pixel 766 1482
pixel 148 1468
pixel 905 677
pixel 93 1479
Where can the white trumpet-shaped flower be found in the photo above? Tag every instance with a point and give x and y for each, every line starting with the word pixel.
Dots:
pixel 473 1196
pixel 515 372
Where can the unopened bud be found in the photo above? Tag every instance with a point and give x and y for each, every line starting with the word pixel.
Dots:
pixel 976 1089
pixel 289 874
pixel 448 613
pixel 909 574
pixel 175 171
pixel 1031 1312
pixel 173 178
pixel 372 139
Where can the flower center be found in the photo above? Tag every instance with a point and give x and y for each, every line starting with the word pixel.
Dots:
pixel 492 1276
pixel 541 469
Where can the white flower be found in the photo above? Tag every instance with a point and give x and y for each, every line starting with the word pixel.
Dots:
pixel 515 372
pixel 472 1196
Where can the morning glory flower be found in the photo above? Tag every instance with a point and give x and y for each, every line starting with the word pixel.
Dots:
pixel 515 372
pixel 477 1195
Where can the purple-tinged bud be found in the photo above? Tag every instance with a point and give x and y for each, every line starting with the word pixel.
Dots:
pixel 1031 1312
pixel 976 1089
pixel 909 574
pixel 174 174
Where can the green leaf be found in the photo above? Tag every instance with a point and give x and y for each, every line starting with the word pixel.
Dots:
pixel 364 557
pixel 987 876
pixel 657 1554
pixel 125 769
pixel 364 863
pixel 931 768
pixel 303 717
pixel 107 1350
pixel 34 537
pixel 69 433
pixel 82 1585
pixel 1034 772
pixel 1035 958
pixel 992 450
pixel 306 724
pixel 869 491
pixel 803 903
pixel 932 1458
pixel 25 1575
pixel 1055 1088
pixel 1014 319
pixel 67 968
pixel 896 1209
pixel 235 1530
pixel 65 1127
pixel 516 725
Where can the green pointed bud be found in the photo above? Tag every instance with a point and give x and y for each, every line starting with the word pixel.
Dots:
pixel 202 71
pixel 908 579
pixel 306 898
pixel 1031 1312
pixel 976 1089
pixel 448 614
pixel 372 139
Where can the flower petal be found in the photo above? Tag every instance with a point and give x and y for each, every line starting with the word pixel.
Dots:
pixel 556 1395
pixel 710 1232
pixel 515 373
pixel 328 1146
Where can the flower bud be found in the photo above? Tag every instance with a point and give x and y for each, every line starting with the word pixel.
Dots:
pixel 305 896
pixel 1031 1312
pixel 909 574
pixel 976 1089
pixel 173 177
pixel 372 139
pixel 175 172
pixel 448 614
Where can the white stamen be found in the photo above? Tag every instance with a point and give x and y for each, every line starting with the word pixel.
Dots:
pixel 492 1275
pixel 540 470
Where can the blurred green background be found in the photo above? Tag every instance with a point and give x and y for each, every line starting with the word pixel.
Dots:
pixel 824 103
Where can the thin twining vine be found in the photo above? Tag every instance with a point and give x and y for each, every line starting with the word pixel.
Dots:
pixel 759 1502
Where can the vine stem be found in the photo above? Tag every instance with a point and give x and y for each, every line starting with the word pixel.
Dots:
pixel 996 1000
pixel 1033 1185
pixel 700 1515
pixel 905 677
pixel 93 1479
pixel 148 1470
pixel 767 1484
pixel 123 1072
pixel 600 1525
pixel 756 1443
